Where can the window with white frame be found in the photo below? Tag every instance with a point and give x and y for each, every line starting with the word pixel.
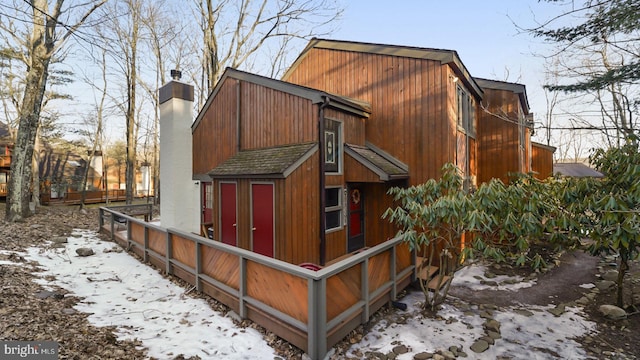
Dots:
pixel 333 208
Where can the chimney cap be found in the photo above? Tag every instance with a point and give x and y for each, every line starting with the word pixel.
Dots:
pixel 176 74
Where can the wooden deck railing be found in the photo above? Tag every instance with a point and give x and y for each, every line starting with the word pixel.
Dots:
pixel 313 310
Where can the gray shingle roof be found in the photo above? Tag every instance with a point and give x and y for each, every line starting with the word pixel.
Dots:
pixel 387 168
pixel 575 170
pixel 274 162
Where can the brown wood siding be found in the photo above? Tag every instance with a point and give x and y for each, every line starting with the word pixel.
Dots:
pixel 356 172
pixel 271 117
pixel 353 127
pixel 498 139
pixel 377 229
pixel 297 219
pixel 412 102
pixel 542 161
pixel 214 139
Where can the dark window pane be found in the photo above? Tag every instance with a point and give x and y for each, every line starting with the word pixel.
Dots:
pixel 332 219
pixel 332 197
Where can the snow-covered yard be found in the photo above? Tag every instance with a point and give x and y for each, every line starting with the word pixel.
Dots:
pixel 118 290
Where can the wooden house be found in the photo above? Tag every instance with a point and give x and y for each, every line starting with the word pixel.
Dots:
pixel 278 162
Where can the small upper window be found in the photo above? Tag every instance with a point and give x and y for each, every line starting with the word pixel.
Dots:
pixel 332 146
pixel 466 111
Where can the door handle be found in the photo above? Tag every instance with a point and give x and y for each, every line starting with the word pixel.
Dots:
pixel 234 225
pixel 253 229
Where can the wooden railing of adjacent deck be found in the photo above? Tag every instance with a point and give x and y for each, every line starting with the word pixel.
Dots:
pixel 313 310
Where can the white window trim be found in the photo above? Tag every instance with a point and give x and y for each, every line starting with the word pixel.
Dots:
pixel 339 207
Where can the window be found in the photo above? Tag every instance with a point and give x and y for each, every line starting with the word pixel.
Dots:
pixel 466 111
pixel 208 188
pixel 333 208
pixel 332 146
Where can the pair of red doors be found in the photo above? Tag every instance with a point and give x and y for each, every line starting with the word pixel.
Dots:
pixel 262 220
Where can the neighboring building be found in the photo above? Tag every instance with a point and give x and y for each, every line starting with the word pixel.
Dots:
pixel 576 170
pixel 6 148
pixel 542 160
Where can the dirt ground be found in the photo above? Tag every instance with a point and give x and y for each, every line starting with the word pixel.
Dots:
pixel 30 313
pixel 561 285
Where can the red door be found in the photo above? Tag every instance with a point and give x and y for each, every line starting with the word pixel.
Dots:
pixel 356 219
pixel 228 214
pixel 262 218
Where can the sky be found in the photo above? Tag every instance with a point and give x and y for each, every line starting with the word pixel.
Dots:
pixel 118 290
pixel 484 33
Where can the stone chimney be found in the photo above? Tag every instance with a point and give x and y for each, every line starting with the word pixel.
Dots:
pixel 179 193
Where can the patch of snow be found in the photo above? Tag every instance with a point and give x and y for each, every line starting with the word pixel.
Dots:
pixel 471 276
pixel 587 286
pixel 119 290
pixel 540 336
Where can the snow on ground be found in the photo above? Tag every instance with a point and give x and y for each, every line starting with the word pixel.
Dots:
pixel 119 290
pixel 473 276
pixel 538 336
pixel 527 331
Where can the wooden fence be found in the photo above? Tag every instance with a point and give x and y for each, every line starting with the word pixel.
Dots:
pixel 312 310
pixel 91 197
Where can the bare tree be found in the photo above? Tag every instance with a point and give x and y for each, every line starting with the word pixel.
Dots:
pixel 234 32
pixel 48 31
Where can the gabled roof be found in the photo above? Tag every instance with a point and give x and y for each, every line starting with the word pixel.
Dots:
pixel 449 57
pixel 575 170
pixel 382 164
pixel 275 162
pixel 518 89
pixel 357 107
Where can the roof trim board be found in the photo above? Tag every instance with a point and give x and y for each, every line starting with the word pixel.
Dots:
pixel 357 107
pixel 518 89
pixel 449 57
pixel 355 152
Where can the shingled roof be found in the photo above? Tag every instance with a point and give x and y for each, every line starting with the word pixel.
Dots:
pixel 385 166
pixel 575 170
pixel 274 162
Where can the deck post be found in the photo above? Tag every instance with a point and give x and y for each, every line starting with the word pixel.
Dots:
pixel 198 269
pixel 113 230
pixel 317 324
pixel 394 288
pixel 168 255
pixel 242 287
pixel 365 290
pixel 145 256
pixel 100 219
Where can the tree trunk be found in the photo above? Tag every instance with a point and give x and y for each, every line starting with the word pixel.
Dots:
pixel 19 193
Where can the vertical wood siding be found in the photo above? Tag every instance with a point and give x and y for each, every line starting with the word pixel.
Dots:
pixel 542 161
pixel 498 139
pixel 412 102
